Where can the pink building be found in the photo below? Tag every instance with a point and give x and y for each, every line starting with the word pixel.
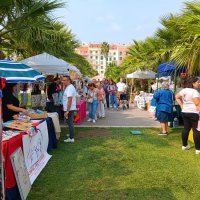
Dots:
pixel 92 52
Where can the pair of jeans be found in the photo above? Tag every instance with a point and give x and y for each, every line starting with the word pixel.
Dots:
pixel 70 123
pixel 190 120
pixel 113 99
pixel 107 100
pixel 93 109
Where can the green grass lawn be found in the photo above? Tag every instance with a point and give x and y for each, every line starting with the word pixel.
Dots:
pixel 120 166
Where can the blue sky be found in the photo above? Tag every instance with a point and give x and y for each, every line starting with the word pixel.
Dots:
pixel 116 21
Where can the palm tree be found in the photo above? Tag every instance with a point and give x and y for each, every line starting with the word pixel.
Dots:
pixel 105 50
pixel 28 21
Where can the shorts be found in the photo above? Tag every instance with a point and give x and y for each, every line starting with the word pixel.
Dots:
pixel 163 117
pixel 123 97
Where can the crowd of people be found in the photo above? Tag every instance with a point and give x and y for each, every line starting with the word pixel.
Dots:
pixel 98 94
pixel 64 93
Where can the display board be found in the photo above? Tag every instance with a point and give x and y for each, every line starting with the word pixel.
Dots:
pixel 21 173
pixel 35 150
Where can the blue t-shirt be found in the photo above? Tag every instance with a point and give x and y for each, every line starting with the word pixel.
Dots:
pixel 164 100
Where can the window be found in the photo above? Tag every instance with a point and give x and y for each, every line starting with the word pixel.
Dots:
pixel 101 72
pixel 120 53
pixel 96 62
pixel 90 52
pixel 110 59
pixel 96 67
pixel 96 57
pixel 114 53
pixel 101 67
pixel 96 52
pixel 107 59
pixel 101 57
pixel 101 62
pixel 120 58
pixel 90 57
pixel 114 58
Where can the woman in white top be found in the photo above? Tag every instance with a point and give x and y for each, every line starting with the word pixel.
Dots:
pixel 189 101
pixel 92 98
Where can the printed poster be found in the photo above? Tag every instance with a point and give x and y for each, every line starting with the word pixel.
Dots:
pixel 35 151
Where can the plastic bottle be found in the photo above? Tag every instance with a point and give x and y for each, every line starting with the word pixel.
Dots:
pixel 175 123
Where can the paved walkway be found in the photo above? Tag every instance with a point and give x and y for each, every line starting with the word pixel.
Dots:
pixel 132 117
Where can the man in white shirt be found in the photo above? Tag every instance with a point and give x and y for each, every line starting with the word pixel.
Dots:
pixel 69 105
pixel 121 86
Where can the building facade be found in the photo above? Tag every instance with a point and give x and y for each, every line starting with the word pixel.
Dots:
pixel 92 52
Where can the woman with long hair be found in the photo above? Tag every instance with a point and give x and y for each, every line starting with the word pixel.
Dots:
pixel 10 104
pixel 112 89
pixel 189 101
pixel 92 98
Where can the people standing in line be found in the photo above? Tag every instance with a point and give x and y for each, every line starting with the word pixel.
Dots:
pixel 101 109
pixel 164 107
pixel 69 106
pixel 189 101
pixel 105 87
pixel 92 98
pixel 112 89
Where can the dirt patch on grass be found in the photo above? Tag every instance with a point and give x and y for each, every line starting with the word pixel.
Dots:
pixel 99 132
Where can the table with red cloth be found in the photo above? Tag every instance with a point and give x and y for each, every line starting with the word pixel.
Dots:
pixel 10 146
pixel 81 114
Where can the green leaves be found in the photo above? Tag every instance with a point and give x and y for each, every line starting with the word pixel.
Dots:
pixel 178 40
pixel 29 28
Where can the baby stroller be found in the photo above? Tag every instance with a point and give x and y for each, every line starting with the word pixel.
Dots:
pixel 124 101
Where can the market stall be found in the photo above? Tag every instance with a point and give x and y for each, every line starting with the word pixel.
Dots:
pixel 40 135
pixel 49 64
pixel 143 98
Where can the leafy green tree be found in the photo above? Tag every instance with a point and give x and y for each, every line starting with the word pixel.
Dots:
pixel 105 50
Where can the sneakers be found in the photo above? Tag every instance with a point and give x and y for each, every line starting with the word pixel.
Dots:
pixel 69 140
pixel 93 121
pixel 89 120
pixel 197 152
pixel 186 147
pixel 163 133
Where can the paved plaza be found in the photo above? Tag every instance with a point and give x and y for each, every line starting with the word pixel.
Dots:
pixel 132 117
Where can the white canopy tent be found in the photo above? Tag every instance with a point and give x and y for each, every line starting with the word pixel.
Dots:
pixel 146 74
pixel 48 64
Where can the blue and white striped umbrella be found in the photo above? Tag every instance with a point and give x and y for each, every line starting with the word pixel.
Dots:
pixel 15 72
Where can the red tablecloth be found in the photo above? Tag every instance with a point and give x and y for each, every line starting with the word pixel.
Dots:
pixel 9 147
pixel 81 107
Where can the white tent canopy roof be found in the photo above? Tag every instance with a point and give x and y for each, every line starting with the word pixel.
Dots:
pixel 146 74
pixel 48 64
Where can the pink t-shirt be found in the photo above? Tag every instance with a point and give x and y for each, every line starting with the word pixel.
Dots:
pixel 188 94
pixel 101 92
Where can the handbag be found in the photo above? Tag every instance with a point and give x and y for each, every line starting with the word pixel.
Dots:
pixel 90 100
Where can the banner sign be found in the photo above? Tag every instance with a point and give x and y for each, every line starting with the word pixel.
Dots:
pixel 35 151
